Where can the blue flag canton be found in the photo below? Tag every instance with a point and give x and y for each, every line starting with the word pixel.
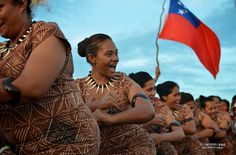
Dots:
pixel 177 7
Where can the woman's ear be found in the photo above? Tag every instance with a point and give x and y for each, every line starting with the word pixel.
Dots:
pixel 23 5
pixel 165 98
pixel 91 59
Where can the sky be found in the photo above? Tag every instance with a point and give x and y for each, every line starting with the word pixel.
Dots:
pixel 133 25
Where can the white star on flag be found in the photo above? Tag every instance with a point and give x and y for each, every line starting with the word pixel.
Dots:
pixel 180 3
pixel 181 12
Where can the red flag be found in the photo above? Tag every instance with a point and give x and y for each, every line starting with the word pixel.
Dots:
pixel 182 26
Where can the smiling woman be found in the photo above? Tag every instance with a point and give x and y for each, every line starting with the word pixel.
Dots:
pixel 118 120
pixel 41 111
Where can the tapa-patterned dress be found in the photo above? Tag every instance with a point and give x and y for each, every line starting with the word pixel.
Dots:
pixel 199 115
pixel 124 139
pixel 58 123
pixel 163 148
pixel 189 145
pixel 224 146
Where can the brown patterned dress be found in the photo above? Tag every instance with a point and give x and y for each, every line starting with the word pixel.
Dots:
pixel 224 146
pixel 163 148
pixel 59 123
pixel 199 115
pixel 189 145
pixel 232 134
pixel 125 139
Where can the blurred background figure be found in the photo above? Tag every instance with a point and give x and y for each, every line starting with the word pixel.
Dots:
pixel 160 128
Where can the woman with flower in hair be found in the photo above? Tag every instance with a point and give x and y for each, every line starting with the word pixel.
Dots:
pixel 41 111
pixel 118 121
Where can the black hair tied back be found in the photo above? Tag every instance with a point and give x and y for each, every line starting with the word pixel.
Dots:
pixel 159 89
pixel 131 75
pixel 82 47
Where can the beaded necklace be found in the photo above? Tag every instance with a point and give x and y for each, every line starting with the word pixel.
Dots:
pixel 91 83
pixel 5 49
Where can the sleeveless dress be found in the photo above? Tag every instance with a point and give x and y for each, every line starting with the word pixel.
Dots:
pixel 199 115
pixel 224 146
pixel 57 123
pixel 189 145
pixel 163 148
pixel 124 139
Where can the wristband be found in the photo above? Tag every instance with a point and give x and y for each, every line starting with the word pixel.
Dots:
pixel 176 124
pixel 12 90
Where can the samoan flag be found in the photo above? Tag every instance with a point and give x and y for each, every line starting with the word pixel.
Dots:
pixel 182 26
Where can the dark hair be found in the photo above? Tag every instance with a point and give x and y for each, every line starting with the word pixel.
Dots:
pixel 226 102
pixel 28 9
pixel 214 96
pixel 233 100
pixel 91 45
pixel 203 100
pixel 141 78
pixel 186 97
pixel 165 88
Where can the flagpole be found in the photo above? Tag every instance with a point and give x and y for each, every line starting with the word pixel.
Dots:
pixel 159 29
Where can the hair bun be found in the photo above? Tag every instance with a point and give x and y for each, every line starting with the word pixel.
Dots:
pixel 82 46
pixel 131 75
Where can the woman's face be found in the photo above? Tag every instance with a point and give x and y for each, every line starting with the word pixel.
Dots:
pixel 209 108
pixel 217 103
pixel 106 59
pixel 150 89
pixel 234 111
pixel 11 17
pixel 223 106
pixel 173 98
pixel 190 104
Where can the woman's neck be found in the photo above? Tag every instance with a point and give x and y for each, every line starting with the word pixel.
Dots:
pixel 99 78
pixel 23 28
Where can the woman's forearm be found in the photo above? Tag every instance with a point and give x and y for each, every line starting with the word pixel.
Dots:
pixel 204 133
pixel 189 128
pixel 92 105
pixel 173 136
pixel 138 115
pixel 220 134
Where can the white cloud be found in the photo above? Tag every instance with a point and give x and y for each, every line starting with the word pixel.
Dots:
pixel 228 55
pixel 133 63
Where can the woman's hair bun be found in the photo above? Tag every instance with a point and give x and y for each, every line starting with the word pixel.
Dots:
pixel 131 75
pixel 82 47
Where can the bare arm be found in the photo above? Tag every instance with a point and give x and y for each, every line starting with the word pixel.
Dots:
pixel 223 126
pixel 43 66
pixel 205 133
pixel 189 126
pixel 209 127
pixel 109 100
pixel 173 136
pixel 141 113
pixel 176 134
